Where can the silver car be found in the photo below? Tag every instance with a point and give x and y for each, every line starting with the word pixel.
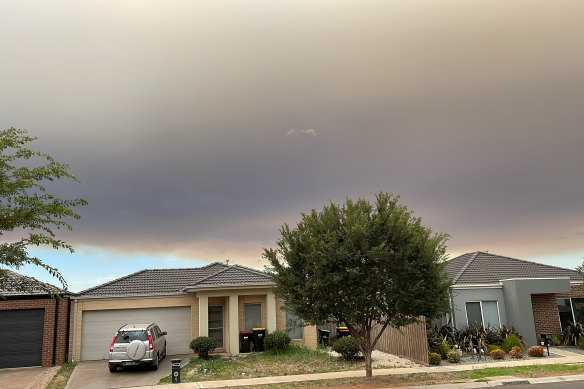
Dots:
pixel 137 344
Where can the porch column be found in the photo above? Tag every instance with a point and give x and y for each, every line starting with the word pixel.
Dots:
pixel 233 324
pixel 203 315
pixel 271 312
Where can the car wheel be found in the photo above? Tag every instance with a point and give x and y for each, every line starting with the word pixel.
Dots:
pixel 164 354
pixel 155 362
pixel 112 368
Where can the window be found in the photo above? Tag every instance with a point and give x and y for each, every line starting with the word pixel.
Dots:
pixel 129 336
pixel 565 311
pixel 252 314
pixel 294 326
pixel 578 308
pixel 216 324
pixel 483 312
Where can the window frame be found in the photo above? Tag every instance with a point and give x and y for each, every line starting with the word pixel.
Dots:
pixel 245 305
pixel 222 323
pixel 482 314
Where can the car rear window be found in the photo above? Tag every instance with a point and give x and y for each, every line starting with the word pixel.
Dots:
pixel 129 336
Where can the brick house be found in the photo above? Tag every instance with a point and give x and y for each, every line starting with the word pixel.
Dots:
pixel 34 327
pixel 216 300
pixel 496 290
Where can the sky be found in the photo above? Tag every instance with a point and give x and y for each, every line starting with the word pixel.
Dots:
pixel 198 128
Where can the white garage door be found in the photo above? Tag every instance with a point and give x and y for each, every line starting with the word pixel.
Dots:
pixel 99 328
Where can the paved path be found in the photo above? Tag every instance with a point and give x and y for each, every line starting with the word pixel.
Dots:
pixel 22 377
pixel 96 375
pixel 568 357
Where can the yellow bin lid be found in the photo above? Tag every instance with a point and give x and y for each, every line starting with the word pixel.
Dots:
pixel 342 328
pixel 258 329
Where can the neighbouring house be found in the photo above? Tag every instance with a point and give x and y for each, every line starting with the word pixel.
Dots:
pixel 216 300
pixel 496 290
pixel 34 326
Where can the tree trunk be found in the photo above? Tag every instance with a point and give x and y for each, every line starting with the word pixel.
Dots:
pixel 368 362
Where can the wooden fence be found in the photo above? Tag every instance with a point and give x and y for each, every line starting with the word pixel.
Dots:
pixel 408 342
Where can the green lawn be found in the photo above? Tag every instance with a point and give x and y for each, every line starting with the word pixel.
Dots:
pixel 295 360
pixel 530 371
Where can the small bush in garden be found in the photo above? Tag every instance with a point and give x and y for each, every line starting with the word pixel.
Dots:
pixel 535 351
pixel 435 359
pixel 516 352
pixel 492 347
pixel 442 349
pixel 510 342
pixel 453 357
pixel 581 342
pixel 277 341
pixel 498 354
pixel 554 341
pixel 347 346
pixel 203 345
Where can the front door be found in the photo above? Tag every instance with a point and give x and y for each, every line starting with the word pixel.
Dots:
pixel 216 324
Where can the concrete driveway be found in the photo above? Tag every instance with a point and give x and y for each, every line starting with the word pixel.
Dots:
pixel 22 377
pixel 96 375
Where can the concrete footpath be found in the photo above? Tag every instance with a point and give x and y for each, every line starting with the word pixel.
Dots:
pixel 567 358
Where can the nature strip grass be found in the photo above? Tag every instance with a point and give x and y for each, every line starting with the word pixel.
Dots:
pixel 532 371
pixel 60 379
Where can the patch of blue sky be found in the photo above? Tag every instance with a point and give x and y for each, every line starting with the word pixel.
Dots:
pixel 89 267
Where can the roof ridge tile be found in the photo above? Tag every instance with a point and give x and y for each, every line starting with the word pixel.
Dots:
pixel 465 266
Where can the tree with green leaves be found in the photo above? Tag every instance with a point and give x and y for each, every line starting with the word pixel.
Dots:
pixel 29 215
pixel 367 266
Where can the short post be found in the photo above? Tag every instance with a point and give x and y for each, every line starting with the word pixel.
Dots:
pixel 175 371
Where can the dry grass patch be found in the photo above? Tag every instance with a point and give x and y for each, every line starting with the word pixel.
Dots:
pixel 60 379
pixel 293 361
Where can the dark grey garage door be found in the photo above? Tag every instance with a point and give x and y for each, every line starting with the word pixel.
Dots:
pixel 22 337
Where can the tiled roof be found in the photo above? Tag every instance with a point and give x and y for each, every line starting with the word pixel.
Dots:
pixel 485 268
pixel 236 274
pixel 173 281
pixel 15 284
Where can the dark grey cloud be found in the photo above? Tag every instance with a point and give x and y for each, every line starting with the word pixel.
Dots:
pixel 192 125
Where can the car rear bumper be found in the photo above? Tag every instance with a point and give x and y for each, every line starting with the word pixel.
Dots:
pixel 129 362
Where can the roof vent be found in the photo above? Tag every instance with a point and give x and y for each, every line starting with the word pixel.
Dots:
pixel 227 262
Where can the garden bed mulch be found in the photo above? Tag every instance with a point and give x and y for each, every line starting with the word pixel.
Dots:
pixel 468 360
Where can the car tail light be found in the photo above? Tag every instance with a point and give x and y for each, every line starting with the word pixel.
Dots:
pixel 113 341
pixel 150 341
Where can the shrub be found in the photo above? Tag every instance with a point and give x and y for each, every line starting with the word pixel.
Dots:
pixel 554 341
pixel 572 333
pixel 203 345
pixel 535 351
pixel 442 349
pixel 277 341
pixel 435 359
pixel 498 354
pixel 492 347
pixel 511 341
pixel 347 346
pixel 516 352
pixel 453 357
pixel 581 342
